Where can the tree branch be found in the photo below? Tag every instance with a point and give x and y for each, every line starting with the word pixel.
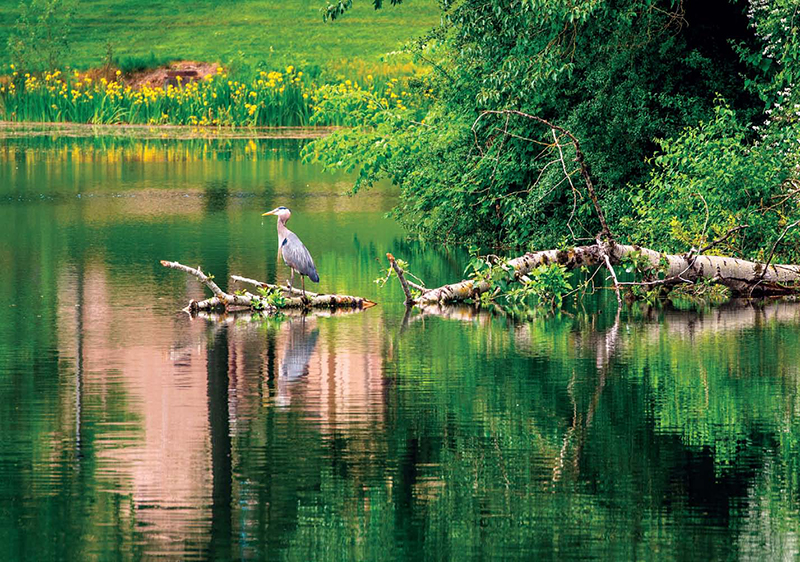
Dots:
pixel 775 245
pixel 579 158
pixel 399 272
pixel 286 288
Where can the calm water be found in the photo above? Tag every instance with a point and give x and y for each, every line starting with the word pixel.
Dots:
pixel 129 430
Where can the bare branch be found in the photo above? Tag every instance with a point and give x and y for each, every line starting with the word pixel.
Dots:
pixel 571 185
pixel 775 245
pixel 607 260
pixel 261 284
pixel 723 238
pixel 579 158
pixel 399 271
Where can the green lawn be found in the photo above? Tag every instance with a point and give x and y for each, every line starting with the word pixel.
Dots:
pixel 218 30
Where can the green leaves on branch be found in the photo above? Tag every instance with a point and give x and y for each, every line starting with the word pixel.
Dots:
pixel 269 297
pixel 548 284
pixel 389 272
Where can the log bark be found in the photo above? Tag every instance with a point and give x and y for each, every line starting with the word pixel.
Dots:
pixel 228 301
pixel 742 277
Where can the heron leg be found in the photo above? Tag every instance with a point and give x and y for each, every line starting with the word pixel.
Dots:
pixel 303 282
pixel 291 279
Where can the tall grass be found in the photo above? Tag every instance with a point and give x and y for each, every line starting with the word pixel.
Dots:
pixel 268 99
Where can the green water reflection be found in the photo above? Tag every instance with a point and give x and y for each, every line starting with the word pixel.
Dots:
pixel 129 430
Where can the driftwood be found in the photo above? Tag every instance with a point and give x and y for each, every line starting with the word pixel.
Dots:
pixel 233 316
pixel 742 277
pixel 247 300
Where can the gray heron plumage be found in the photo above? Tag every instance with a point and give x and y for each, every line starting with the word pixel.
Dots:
pixel 293 251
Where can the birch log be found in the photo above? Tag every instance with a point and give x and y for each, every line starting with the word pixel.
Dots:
pixel 227 301
pixel 742 277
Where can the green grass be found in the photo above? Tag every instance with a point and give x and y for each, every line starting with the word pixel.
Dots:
pixel 249 31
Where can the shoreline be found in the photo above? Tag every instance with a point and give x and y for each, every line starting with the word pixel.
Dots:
pixel 17 129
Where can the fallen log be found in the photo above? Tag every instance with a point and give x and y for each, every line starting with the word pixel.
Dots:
pixel 247 300
pixel 742 277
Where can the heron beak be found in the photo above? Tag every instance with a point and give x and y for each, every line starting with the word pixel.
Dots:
pixel 272 212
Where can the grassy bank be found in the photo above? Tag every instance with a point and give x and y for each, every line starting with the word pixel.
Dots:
pixel 286 98
pixel 250 31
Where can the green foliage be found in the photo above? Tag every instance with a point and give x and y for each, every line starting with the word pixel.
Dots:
pixel 269 297
pixel 494 272
pixel 618 75
pixel 639 264
pixel 39 40
pixel 548 283
pixel 337 9
pixel 713 177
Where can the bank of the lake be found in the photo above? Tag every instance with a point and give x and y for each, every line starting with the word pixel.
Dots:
pixel 26 129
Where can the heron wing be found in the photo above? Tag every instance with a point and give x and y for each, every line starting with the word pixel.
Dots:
pixel 296 256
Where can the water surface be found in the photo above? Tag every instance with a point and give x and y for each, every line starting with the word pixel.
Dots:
pixel 129 430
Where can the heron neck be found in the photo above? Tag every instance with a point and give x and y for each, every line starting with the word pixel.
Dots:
pixel 282 231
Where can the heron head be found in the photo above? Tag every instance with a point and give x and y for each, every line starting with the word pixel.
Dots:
pixel 281 212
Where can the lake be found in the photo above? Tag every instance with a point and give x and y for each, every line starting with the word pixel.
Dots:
pixel 130 430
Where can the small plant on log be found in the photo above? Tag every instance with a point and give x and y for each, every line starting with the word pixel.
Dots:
pixel 271 297
pixel 548 283
pixel 495 272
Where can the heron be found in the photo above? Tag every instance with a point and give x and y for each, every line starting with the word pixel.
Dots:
pixel 294 252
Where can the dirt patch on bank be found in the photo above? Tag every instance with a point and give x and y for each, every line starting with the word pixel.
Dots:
pixel 187 70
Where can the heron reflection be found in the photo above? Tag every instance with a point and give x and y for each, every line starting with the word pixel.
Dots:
pixel 301 342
